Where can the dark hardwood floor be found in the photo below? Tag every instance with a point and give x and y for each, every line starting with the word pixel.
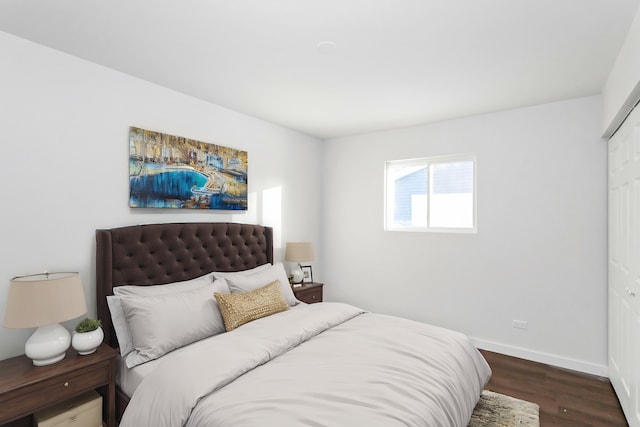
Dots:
pixel 566 398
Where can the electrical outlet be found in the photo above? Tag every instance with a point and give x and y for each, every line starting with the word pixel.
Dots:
pixel 519 324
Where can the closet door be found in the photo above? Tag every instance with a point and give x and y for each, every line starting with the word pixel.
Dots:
pixel 624 266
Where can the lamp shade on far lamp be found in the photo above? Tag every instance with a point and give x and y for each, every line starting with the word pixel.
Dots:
pixel 298 252
pixel 42 301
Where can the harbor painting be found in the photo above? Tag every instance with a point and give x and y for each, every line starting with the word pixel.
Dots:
pixel 167 171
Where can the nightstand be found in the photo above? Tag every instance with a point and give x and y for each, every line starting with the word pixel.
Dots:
pixel 309 292
pixel 25 389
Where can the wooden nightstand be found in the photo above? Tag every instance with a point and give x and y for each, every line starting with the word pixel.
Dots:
pixel 309 292
pixel 25 389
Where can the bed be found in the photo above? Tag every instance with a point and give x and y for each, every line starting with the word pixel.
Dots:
pixel 306 365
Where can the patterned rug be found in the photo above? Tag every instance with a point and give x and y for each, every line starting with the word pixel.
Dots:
pixel 498 410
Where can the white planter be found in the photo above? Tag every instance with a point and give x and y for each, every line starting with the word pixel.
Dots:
pixel 87 342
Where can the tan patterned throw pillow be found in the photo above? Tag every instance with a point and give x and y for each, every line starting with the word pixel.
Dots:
pixel 240 308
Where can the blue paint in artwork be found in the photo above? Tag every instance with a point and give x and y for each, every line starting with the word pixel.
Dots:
pixel 172 185
pixel 150 202
pixel 213 161
pixel 173 189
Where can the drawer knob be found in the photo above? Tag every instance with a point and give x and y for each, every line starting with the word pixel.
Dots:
pixel 66 384
pixel 313 297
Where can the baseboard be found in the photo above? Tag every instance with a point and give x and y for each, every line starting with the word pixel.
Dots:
pixel 549 359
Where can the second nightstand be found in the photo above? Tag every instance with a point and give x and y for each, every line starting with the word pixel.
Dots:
pixel 25 389
pixel 309 292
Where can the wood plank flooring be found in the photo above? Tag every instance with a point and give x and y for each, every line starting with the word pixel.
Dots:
pixel 566 398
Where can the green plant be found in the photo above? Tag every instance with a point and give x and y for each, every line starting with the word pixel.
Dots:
pixel 88 324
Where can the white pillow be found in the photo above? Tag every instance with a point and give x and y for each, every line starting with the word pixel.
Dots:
pixel 119 325
pixel 232 274
pixel 262 278
pixel 161 323
pixel 118 318
pixel 186 285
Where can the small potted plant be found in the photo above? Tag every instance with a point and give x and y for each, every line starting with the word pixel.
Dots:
pixel 88 336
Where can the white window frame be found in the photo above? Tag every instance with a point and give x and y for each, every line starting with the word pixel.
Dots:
pixel 389 193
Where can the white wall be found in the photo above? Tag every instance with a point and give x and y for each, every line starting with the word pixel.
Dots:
pixel 622 89
pixel 540 251
pixel 64 164
pixel 539 256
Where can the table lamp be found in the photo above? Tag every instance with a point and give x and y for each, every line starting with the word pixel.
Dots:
pixel 298 252
pixel 42 300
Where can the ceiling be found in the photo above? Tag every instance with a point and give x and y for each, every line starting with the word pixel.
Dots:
pixel 393 63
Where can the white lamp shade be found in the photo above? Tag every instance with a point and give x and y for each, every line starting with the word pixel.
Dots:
pixel 43 300
pixel 299 252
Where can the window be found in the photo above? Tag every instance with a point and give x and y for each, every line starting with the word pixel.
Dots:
pixel 431 194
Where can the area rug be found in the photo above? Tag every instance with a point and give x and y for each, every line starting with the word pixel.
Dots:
pixel 498 410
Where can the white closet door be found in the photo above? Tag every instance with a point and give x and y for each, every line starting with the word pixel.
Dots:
pixel 624 266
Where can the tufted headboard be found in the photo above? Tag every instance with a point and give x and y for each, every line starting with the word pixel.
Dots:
pixel 157 254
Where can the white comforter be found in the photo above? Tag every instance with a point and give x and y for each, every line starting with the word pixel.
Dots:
pixel 326 364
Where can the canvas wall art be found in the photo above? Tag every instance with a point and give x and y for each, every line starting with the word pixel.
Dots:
pixel 167 171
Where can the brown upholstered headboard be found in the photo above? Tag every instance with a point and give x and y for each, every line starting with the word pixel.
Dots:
pixel 156 254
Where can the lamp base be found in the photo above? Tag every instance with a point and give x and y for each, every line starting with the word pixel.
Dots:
pixel 297 275
pixel 48 344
